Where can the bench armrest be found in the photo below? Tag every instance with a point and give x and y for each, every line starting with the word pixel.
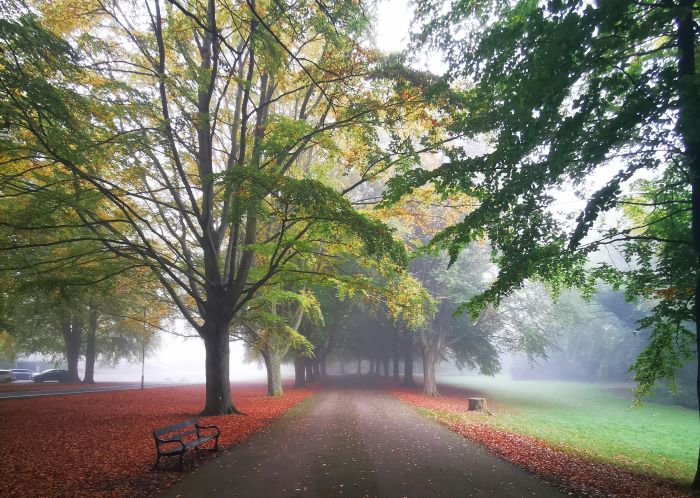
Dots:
pixel 208 427
pixel 160 442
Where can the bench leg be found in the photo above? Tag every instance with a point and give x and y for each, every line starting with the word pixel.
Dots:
pixel 155 466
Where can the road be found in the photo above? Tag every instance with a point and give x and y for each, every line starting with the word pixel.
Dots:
pixel 358 442
pixel 72 389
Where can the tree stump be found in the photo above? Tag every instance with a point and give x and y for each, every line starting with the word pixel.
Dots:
pixel 477 405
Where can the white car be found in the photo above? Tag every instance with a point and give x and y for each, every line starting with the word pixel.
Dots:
pixel 22 374
pixel 6 376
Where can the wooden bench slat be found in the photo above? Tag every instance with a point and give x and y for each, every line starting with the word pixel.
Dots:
pixel 178 435
pixel 175 427
pixel 198 442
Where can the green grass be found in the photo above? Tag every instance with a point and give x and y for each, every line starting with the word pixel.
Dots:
pixel 596 421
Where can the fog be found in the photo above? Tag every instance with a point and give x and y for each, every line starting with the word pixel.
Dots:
pixel 179 360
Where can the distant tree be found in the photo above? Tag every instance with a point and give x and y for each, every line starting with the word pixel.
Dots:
pixel 523 322
pixel 270 327
pixel 366 334
pixel 64 316
pixel 595 340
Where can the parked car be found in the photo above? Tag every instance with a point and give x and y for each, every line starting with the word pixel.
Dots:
pixel 22 373
pixel 6 376
pixel 52 374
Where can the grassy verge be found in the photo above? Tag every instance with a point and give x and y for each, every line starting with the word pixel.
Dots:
pixel 591 420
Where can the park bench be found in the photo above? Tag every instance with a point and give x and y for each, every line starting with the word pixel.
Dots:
pixel 176 439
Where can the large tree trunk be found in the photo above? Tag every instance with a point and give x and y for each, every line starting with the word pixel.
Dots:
pixel 272 355
pixel 266 360
pixel 218 391
pixel 274 374
pixel 90 348
pixel 408 360
pixel 342 367
pixel 688 113
pixel 359 366
pixel 299 372
pixel 431 341
pixel 322 366
pixel 430 356
pixel 385 366
pixel 395 355
pixel 316 369
pixel 72 338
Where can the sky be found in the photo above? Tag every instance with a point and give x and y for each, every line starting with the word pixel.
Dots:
pixel 393 23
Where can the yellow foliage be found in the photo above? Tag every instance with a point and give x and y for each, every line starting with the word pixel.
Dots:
pixel 421 215
pixel 66 16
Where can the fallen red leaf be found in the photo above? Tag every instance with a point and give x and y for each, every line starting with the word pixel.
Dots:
pixel 100 444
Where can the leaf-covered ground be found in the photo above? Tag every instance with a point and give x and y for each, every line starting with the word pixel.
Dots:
pixel 100 444
pixel 580 476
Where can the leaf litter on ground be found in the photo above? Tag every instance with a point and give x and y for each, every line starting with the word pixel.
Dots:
pixel 100 444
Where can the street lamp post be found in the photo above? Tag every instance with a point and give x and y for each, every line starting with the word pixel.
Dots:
pixel 143 348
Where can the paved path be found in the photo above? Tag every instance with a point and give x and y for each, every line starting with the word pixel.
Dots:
pixel 355 443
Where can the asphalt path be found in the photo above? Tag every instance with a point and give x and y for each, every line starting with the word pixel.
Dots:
pixel 63 391
pixel 358 442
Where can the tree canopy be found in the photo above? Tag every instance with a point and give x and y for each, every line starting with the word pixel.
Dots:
pixel 585 97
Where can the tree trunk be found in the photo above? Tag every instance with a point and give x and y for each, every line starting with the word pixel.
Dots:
pixel 299 372
pixel 309 371
pixel 322 366
pixel 429 382
pixel 371 367
pixel 385 366
pixel 273 365
pixel 395 355
pixel 218 390
pixel 316 369
pixel 359 366
pixel 689 103
pixel 274 375
pixel 266 360
pixel 342 367
pixel 408 360
pixel 90 348
pixel 72 332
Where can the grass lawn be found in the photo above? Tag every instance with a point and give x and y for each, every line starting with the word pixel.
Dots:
pixel 595 420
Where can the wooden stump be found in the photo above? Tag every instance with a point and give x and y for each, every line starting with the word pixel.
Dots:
pixel 477 405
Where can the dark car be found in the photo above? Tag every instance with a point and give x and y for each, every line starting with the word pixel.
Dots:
pixel 22 373
pixel 57 375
